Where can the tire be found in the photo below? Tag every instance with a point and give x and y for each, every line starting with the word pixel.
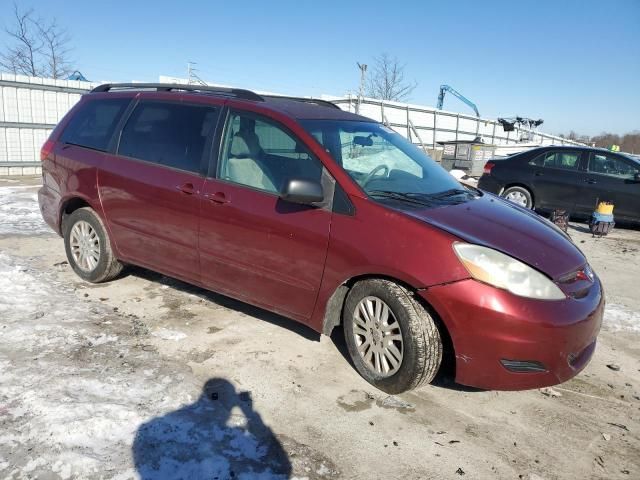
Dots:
pixel 89 226
pixel 421 347
pixel 519 195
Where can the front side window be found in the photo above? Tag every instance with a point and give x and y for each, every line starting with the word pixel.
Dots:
pixel 93 123
pixel 261 154
pixel 380 160
pixel 170 134
pixel 607 164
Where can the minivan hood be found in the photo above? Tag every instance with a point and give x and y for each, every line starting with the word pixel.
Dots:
pixel 496 223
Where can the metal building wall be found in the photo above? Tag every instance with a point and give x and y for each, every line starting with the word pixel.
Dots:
pixel 30 108
pixel 430 125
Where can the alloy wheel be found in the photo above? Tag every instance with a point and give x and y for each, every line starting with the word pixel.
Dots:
pixel 518 198
pixel 85 246
pixel 378 336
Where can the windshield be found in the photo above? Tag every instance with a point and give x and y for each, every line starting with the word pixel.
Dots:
pixel 380 160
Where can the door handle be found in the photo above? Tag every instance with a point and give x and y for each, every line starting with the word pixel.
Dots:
pixel 186 188
pixel 591 181
pixel 217 197
pixel 539 174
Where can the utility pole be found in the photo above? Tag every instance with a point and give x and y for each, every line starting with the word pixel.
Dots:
pixel 190 71
pixel 192 76
pixel 363 72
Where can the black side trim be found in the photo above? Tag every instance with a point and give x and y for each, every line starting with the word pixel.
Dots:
pixel 341 202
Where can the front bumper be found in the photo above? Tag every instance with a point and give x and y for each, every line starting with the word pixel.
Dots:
pixel 488 326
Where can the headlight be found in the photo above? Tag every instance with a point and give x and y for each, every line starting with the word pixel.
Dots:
pixel 502 271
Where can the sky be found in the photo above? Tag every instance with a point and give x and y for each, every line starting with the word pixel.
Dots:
pixel 576 64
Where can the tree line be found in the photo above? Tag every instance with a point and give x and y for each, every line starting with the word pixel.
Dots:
pixel 629 142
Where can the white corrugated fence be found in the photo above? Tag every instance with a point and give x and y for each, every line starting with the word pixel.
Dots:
pixel 30 108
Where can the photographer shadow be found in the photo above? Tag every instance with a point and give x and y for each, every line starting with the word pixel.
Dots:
pixel 220 436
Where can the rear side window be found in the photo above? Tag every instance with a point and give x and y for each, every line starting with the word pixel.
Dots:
pixel 562 160
pixel 170 134
pixel 93 124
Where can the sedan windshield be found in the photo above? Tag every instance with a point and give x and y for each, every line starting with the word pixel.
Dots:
pixel 383 162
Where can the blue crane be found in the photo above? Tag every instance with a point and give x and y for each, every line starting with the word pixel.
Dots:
pixel 77 76
pixel 447 88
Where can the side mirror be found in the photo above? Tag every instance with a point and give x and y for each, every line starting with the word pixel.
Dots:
pixel 636 177
pixel 304 192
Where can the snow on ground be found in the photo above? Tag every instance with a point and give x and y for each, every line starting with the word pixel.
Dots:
pixel 167 334
pixel 83 396
pixel 70 391
pixel 620 318
pixel 83 393
pixel 19 212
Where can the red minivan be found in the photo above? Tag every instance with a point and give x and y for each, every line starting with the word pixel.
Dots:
pixel 328 218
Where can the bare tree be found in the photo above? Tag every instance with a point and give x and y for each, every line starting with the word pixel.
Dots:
pixel 22 57
pixel 55 49
pixel 38 48
pixel 387 80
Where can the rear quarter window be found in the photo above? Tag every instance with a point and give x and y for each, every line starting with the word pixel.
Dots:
pixel 93 123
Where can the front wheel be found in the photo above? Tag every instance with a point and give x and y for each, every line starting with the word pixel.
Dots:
pixel 88 248
pixel 393 341
pixel 519 195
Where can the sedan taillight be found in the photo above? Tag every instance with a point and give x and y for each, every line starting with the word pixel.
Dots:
pixel 487 168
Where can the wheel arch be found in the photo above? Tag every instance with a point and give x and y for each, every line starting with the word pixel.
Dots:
pixel 70 205
pixel 335 307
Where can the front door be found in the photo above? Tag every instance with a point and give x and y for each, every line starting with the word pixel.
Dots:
pixel 150 188
pixel 253 245
pixel 611 178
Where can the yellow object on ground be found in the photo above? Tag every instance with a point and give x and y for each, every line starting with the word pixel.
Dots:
pixel 605 208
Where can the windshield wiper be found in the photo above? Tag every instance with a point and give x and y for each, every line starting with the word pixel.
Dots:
pixel 450 193
pixel 403 197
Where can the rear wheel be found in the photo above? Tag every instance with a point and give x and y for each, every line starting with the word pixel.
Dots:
pixel 519 195
pixel 392 340
pixel 88 248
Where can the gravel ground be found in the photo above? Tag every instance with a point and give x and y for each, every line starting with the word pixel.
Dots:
pixel 148 377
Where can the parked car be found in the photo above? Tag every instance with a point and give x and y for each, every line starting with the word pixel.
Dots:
pixel 569 177
pixel 325 217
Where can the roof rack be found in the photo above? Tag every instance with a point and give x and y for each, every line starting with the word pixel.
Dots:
pixel 168 87
pixel 315 101
pixel 234 92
